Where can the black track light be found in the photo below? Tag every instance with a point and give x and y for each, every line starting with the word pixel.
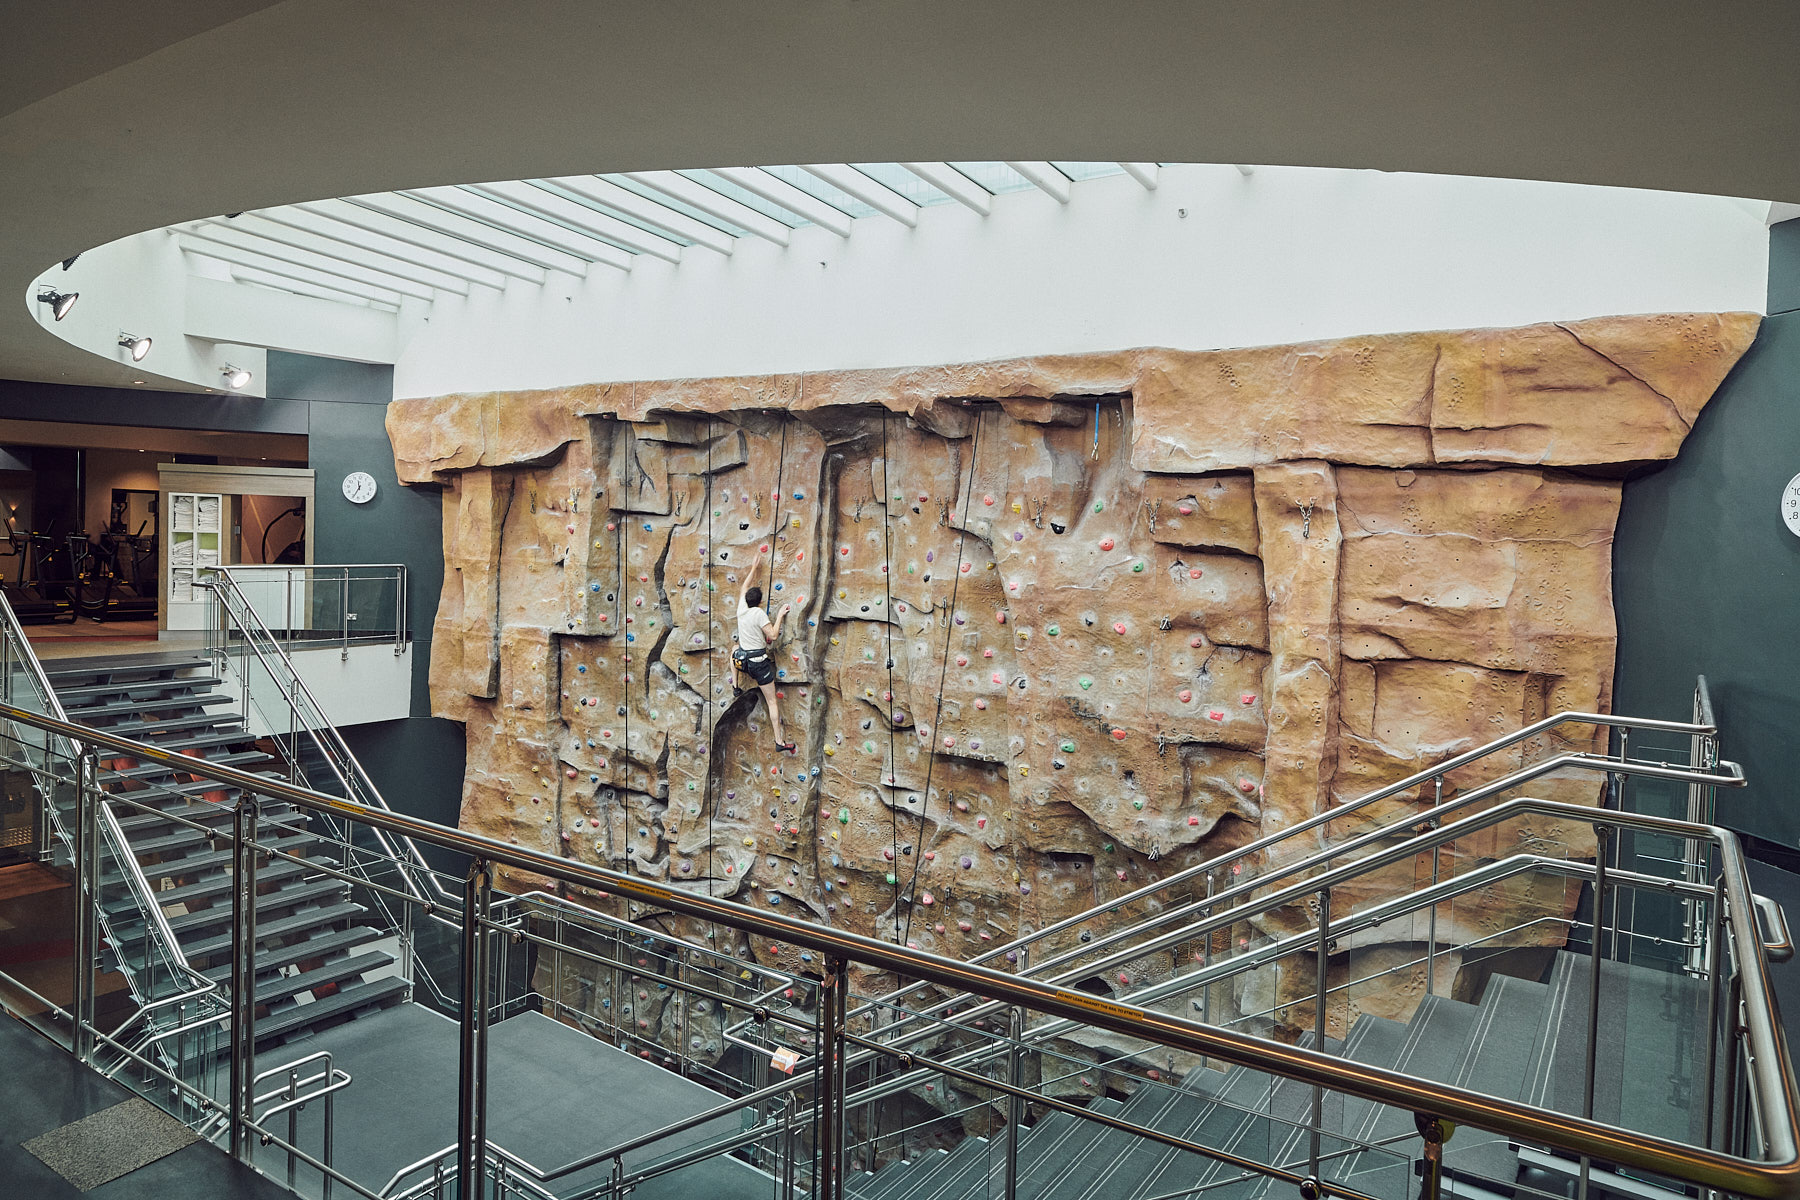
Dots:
pixel 235 377
pixel 60 302
pixel 139 346
pixel 70 261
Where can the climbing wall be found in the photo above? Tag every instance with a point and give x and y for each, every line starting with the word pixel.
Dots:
pixel 1060 626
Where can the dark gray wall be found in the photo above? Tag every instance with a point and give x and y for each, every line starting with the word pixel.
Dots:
pixel 1707 577
pixel 25 401
pixel 417 762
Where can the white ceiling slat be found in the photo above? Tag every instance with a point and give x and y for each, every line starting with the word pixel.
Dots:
pixel 872 192
pixel 780 192
pixel 251 244
pixel 455 225
pixel 1045 178
pixel 316 291
pixel 602 191
pixel 444 245
pixel 954 184
pixel 713 204
pixel 1144 173
pixel 233 255
pixel 503 216
pixel 258 226
pixel 307 221
pixel 564 211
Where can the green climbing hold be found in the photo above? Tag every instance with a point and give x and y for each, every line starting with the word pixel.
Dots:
pixel 1137 566
pixel 1138 804
pixel 843 816
pixel 868 747
pixel 1099 506
pixel 1086 683
pixel 891 878
pixel 1107 846
pixel 1053 630
pixel 1068 747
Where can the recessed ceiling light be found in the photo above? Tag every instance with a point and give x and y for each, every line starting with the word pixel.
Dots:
pixel 235 377
pixel 60 302
pixel 138 381
pixel 139 346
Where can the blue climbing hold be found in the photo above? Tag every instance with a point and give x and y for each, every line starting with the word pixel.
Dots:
pixel 646 527
pixel 581 669
pixel 799 495
pixel 631 637
pixel 778 587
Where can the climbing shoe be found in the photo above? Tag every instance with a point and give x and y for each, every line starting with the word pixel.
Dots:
pixel 786 747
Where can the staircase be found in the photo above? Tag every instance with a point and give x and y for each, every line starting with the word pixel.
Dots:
pixel 1524 1040
pixel 317 961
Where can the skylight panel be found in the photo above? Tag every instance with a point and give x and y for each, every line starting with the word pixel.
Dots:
pixel 745 197
pixel 897 178
pixel 1079 171
pixel 824 192
pixel 995 177
pixel 610 211
pixel 676 204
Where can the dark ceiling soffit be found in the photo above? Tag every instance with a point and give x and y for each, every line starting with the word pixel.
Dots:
pixel 21 400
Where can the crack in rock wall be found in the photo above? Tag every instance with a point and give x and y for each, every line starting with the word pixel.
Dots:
pixel 1062 626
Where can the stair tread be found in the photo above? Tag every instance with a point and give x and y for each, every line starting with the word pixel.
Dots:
pixel 302 1016
pixel 265 902
pixel 214 858
pixel 927 1182
pixel 163 704
pixel 185 836
pixel 126 687
pixel 137 729
pixel 299 922
pixel 1165 1110
pixel 283 987
pixel 146 770
pixel 896 1176
pixel 317 947
pixel 1063 1148
pixel 182 808
pixel 280 868
pixel 1496 1063
pixel 969 1171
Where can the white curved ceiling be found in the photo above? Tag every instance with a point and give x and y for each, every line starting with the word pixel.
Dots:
pixel 170 113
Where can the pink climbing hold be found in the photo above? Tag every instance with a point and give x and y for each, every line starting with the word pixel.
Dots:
pixel 1193 820
pixel 997 677
pixel 962 660
pixel 988 653
pixel 981 704
pixel 1194 573
pixel 925 898
pixel 1246 785
pixel 844 550
pixel 964 926
pixel 1106 544
pixel 763 549
pixel 570 773
pixel 571 529
pixel 799 556
pixel 1155 1075
pixel 1186 510
pixel 1184 695
pixel 1124 978
pixel 1000 617
pixel 1216 714
pixel 988 500
pixel 949 742
pixel 981 822
pixel 965 568
pixel 1121 875
pixel 1248 698
pixel 1196 643
pixel 1118 735
pixel 1118 627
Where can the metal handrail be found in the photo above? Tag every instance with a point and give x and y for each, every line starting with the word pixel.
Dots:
pixel 1770 1067
pixel 363 784
pixel 1337 812
pixel 322 572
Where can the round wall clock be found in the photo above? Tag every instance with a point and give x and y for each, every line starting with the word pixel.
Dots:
pixel 359 487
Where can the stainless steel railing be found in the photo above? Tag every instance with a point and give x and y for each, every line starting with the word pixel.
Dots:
pixel 341 604
pixel 1753 1046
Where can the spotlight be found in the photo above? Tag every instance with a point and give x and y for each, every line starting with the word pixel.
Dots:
pixel 60 302
pixel 70 261
pixel 235 377
pixel 139 346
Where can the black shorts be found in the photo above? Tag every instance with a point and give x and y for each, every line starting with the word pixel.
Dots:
pixel 758 665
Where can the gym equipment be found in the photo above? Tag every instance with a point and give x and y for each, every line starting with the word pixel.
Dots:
pixel 117 576
pixel 43 585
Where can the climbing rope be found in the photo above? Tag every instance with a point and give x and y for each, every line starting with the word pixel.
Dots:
pixel 780 469
pixel 620 617
pixel 712 724
pixel 943 671
pixel 887 617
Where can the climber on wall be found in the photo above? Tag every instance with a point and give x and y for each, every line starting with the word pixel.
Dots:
pixel 755 637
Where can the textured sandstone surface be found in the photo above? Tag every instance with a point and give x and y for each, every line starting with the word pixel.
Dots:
pixel 1063 625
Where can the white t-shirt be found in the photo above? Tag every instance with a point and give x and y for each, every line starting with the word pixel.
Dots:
pixel 750 628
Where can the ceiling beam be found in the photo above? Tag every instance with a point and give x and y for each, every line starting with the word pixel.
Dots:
pixel 872 192
pixel 604 191
pixel 476 233
pixel 1045 178
pixel 260 226
pixel 595 224
pixel 267 252
pixel 339 215
pixel 486 210
pixel 192 244
pixel 1144 173
pixel 954 184
pixel 714 204
pixel 783 194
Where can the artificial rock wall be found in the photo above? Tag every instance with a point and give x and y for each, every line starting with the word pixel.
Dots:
pixel 1141 607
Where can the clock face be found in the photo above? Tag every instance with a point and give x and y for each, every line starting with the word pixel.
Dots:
pixel 1790 505
pixel 359 487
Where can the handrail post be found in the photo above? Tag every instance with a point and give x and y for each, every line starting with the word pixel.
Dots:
pixel 243 974
pixel 471 1097
pixel 1015 1103
pixel 1603 836
pixel 1431 1174
pixel 1715 933
pixel 1437 798
pixel 1322 986
pixel 828 1053
pixel 87 912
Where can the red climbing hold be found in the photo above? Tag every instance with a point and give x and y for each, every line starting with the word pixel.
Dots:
pixel 1184 695
pixel 1118 735
pixel 1106 544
